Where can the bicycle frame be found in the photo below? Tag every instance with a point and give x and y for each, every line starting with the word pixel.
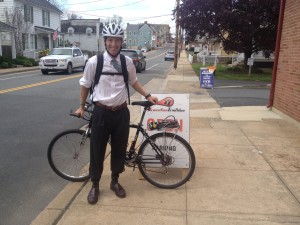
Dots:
pixel 139 129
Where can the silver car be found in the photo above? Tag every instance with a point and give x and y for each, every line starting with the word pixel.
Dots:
pixel 169 55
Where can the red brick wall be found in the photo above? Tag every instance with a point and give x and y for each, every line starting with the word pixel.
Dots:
pixel 287 88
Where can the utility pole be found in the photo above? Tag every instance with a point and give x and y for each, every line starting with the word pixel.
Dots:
pixel 176 37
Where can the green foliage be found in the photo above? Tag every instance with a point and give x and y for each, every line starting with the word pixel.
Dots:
pixel 20 60
pixel 44 53
pixel 4 59
pixel 4 65
pixel 225 72
pixel 242 26
pixel 235 69
pixel 27 63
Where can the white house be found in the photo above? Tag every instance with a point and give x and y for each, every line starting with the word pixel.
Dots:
pixel 11 49
pixel 43 20
pixel 83 33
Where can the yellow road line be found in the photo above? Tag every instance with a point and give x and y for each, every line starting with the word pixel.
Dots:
pixel 37 84
pixel 155 56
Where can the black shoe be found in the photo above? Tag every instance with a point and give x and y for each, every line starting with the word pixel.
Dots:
pixel 118 189
pixel 92 197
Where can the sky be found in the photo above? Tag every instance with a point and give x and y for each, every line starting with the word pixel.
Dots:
pixel 132 11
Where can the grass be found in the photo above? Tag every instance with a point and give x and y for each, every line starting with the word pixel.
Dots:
pixel 225 72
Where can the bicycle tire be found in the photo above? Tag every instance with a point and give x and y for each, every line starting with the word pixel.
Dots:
pixel 69 155
pixel 181 157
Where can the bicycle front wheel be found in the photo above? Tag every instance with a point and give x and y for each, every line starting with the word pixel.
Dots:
pixel 69 155
pixel 177 167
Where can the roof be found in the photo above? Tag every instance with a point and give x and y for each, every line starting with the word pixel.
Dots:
pixel 79 25
pixel 43 4
pixel 5 27
pixel 45 29
pixel 133 27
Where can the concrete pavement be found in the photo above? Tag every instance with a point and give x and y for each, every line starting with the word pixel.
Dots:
pixel 17 70
pixel 248 171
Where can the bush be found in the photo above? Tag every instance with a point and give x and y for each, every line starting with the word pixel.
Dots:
pixel 256 70
pixel 4 59
pixel 27 63
pixel 4 65
pixel 229 61
pixel 44 53
pixel 234 69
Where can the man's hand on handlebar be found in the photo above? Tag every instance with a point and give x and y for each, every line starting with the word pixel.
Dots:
pixel 80 111
pixel 152 99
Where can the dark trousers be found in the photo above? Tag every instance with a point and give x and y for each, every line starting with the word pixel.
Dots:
pixel 108 123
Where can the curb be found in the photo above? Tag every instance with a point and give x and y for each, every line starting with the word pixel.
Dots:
pixel 59 205
pixel 16 70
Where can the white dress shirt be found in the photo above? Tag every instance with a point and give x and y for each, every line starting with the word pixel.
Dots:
pixel 111 89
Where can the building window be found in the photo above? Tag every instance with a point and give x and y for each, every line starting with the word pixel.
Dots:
pixel 89 32
pixel 70 31
pixel 46 18
pixel 141 33
pixel 28 13
pixel 25 41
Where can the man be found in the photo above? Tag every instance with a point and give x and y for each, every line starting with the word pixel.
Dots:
pixel 111 115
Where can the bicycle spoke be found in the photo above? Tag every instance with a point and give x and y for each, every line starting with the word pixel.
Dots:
pixel 173 168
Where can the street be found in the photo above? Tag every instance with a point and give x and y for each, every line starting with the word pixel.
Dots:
pixel 230 93
pixel 31 114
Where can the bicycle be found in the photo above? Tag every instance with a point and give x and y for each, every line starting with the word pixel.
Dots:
pixel 164 159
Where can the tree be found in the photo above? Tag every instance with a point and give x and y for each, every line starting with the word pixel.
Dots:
pixel 115 19
pixel 15 18
pixel 72 16
pixel 246 26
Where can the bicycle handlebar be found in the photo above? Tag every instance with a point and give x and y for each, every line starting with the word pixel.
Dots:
pixel 75 115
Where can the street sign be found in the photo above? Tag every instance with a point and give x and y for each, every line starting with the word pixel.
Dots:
pixel 207 77
pixel 250 61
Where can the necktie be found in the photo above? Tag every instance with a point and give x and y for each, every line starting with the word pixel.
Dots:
pixel 116 65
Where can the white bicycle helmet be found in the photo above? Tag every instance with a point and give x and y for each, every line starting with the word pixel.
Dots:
pixel 113 30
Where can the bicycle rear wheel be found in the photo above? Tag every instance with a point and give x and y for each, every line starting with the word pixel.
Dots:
pixel 180 161
pixel 69 155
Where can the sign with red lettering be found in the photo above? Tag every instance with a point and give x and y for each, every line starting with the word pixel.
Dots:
pixel 170 106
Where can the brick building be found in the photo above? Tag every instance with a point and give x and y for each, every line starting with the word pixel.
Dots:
pixel 285 90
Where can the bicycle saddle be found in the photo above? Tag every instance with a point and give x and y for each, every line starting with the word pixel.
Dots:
pixel 142 103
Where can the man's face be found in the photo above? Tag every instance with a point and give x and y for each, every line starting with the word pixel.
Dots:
pixel 113 45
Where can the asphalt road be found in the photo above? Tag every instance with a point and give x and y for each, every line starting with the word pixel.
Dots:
pixel 228 93
pixel 31 115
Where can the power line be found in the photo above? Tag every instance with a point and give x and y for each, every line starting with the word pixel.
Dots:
pixel 133 18
pixel 112 7
pixel 84 2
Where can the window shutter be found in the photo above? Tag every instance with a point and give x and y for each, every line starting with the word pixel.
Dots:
pixel 48 18
pixel 31 14
pixel 23 41
pixel 25 13
pixel 35 41
pixel 43 18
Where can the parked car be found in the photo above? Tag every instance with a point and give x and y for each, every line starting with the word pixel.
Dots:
pixel 63 59
pixel 169 55
pixel 137 57
pixel 144 49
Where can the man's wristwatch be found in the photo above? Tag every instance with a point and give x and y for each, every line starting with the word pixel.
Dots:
pixel 147 96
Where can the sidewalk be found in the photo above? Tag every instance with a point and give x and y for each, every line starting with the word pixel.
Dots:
pixel 247 172
pixel 17 69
